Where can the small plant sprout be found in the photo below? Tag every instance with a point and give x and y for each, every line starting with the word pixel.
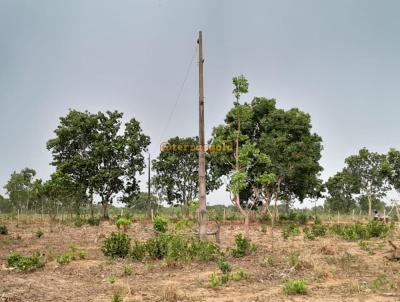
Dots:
pixel 39 233
pixel 128 270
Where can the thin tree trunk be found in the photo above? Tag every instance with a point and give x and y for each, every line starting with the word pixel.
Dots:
pixel 369 205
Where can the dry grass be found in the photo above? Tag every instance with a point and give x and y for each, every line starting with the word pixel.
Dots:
pixel 333 267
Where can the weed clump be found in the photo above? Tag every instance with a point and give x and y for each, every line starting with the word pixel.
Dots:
pixel 25 263
pixel 295 287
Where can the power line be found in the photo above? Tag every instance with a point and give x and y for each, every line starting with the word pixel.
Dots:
pixel 180 92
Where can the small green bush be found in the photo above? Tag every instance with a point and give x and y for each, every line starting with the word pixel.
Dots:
pixel 295 287
pixel 117 245
pixel 290 230
pixel 160 224
pixel 214 280
pixel 243 246
pixel 138 251
pixel 224 266
pixel 124 223
pixel 3 229
pixel 25 263
pixel 39 233
pixel 64 259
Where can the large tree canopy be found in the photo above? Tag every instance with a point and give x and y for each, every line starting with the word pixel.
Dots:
pixel 285 137
pixel 368 168
pixel 22 189
pixel 341 189
pixel 93 152
pixel 176 167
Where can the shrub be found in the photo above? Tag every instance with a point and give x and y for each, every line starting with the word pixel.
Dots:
pixel 359 231
pixel 295 287
pixel 203 250
pixel 124 222
pixel 160 224
pixel 243 246
pixel 319 230
pixel 64 259
pixel 290 230
pixel 3 229
pixel 25 263
pixel 117 245
pixel 93 221
pixel 173 248
pixel 138 251
pixel 39 233
pixel 224 266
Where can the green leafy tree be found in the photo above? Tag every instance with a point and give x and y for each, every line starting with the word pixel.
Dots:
pixel 62 191
pixel 91 150
pixel 286 139
pixel 369 170
pixel 392 168
pixel 341 189
pixel 176 167
pixel 240 164
pixel 5 205
pixel 140 201
pixel 21 189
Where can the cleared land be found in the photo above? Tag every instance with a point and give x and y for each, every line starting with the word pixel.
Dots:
pixel 335 269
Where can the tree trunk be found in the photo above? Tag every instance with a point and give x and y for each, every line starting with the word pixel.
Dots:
pixel 369 205
pixel 104 203
pixel 265 206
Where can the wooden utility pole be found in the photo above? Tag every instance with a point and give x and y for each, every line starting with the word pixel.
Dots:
pixel 148 191
pixel 203 219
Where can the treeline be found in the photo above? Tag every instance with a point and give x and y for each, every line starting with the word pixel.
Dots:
pixel 272 159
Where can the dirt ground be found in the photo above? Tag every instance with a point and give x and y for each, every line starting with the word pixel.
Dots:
pixel 335 269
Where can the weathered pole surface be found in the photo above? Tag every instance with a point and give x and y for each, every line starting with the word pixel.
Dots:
pixel 203 219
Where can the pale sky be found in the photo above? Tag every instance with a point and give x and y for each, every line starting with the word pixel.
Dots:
pixel 337 60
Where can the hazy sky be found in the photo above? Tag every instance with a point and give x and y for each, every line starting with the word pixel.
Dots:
pixel 337 60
